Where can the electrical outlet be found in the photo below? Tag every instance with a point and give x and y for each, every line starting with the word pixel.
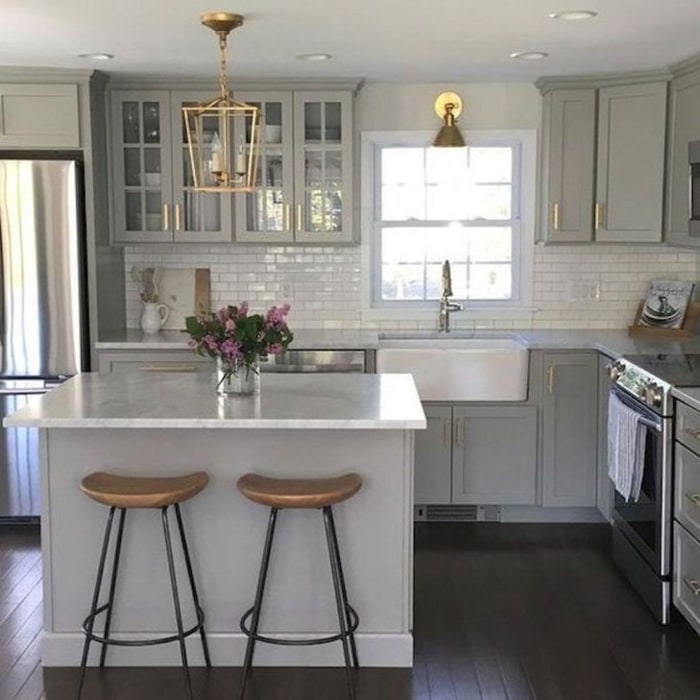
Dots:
pixel 583 291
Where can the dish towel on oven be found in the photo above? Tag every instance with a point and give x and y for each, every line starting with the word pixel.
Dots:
pixel 626 442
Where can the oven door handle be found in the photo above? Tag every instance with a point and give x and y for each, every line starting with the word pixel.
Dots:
pixel 648 422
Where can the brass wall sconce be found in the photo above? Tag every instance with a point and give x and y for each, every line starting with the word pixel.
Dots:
pixel 223 136
pixel 448 106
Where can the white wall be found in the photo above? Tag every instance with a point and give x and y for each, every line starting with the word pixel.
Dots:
pixel 323 284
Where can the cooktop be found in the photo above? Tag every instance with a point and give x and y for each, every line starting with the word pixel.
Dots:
pixel 678 369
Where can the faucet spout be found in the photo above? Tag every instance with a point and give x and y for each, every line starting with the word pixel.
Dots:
pixel 445 304
pixel 446 279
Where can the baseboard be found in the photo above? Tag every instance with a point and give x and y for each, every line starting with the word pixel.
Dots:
pixel 374 650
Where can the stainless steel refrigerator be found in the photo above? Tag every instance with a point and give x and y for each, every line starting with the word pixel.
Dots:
pixel 43 319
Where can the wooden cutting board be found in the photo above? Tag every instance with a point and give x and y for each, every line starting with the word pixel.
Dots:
pixel 185 291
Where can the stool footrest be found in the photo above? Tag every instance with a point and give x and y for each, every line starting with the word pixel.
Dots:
pixel 139 642
pixel 354 622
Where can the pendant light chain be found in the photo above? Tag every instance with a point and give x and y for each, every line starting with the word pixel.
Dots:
pixel 223 87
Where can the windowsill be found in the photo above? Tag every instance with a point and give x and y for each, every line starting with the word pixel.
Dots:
pixel 386 314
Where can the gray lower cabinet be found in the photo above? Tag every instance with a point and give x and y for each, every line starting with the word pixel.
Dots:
pixel 686 513
pixel 494 459
pixel 433 457
pixel 569 428
pixel 180 361
pixel 477 455
pixel 605 489
pixel 684 126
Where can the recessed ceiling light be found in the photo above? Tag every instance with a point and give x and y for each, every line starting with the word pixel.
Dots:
pixel 97 56
pixel 573 14
pixel 529 55
pixel 314 56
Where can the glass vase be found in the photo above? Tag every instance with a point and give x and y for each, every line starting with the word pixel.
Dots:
pixel 237 379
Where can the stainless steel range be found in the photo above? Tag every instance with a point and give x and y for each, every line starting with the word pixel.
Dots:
pixel 642 527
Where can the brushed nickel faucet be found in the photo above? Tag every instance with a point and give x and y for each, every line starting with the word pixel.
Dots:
pixel 445 304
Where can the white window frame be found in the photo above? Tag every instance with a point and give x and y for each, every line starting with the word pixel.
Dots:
pixel 524 188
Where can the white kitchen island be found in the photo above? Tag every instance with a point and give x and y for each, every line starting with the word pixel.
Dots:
pixel 300 425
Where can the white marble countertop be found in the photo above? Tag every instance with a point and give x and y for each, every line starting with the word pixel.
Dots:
pixel 316 401
pixel 611 342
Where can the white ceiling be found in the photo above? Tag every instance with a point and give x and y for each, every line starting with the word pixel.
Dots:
pixel 377 40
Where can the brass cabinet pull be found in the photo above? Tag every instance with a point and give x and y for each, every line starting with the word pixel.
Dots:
pixel 555 216
pixel 299 218
pixel 690 193
pixel 550 379
pixel 166 217
pixel 693 585
pixel 168 368
pixel 598 216
pixel 287 217
pixel 695 434
pixel 446 431
pixel 694 498
pixel 177 217
pixel 459 432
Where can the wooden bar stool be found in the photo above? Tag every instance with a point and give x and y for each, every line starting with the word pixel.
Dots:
pixel 302 493
pixel 121 493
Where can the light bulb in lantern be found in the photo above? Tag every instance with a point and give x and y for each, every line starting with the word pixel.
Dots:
pixel 240 160
pixel 217 156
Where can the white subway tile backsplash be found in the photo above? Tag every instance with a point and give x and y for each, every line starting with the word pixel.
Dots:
pixel 324 286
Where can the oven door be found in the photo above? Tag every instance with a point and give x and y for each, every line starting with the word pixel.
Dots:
pixel 646 523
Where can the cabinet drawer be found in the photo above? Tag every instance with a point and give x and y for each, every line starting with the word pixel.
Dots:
pixel 686 576
pixel 688 426
pixel 174 361
pixel 687 495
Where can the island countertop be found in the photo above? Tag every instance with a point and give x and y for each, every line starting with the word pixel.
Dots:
pixel 321 401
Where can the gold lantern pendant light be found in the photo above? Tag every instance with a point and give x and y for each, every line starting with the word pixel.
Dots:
pixel 223 135
pixel 448 106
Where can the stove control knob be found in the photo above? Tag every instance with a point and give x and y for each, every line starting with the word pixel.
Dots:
pixel 616 370
pixel 653 394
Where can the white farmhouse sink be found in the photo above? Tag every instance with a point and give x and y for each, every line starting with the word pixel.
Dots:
pixel 459 369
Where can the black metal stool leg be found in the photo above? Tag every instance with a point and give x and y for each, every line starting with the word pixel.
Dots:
pixel 343 589
pixel 264 564
pixel 113 584
pixel 342 611
pixel 95 598
pixel 176 602
pixel 195 596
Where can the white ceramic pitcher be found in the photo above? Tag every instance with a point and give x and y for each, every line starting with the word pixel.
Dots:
pixel 153 316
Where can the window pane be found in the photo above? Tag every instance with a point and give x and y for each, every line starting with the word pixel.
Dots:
pixel 480 260
pixel 491 164
pixel 403 184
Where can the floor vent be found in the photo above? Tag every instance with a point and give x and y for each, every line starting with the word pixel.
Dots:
pixel 457 513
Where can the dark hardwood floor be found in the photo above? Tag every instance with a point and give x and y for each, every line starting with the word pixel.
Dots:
pixel 502 612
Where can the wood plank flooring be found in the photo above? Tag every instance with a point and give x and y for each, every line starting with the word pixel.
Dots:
pixel 502 612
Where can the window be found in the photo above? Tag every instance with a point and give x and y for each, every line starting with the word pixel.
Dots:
pixel 467 206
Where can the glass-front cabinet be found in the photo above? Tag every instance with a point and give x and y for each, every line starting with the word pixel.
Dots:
pixel 304 170
pixel 154 199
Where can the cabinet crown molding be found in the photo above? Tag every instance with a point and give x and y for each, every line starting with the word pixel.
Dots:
pixel 559 82
pixel 11 74
pixel 155 82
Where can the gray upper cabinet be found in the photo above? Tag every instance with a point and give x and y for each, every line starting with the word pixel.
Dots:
pixel 152 188
pixel 568 153
pixel 304 175
pixel 630 171
pixel 569 428
pixel 39 116
pixel 603 162
pixel 684 126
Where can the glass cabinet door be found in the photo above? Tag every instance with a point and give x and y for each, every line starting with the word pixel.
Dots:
pixel 267 214
pixel 197 216
pixel 323 176
pixel 141 160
